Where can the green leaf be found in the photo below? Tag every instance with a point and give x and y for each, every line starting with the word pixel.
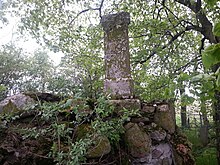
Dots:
pixel 200 77
pixel 211 55
pixel 211 2
pixel 216 29
pixel 183 77
pixel 68 103
pixel 218 81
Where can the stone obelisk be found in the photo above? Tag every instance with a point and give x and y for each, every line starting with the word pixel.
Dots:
pixel 118 81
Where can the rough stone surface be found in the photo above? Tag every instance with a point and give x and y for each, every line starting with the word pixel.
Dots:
pixel 140 120
pixel 130 104
pixel 146 108
pixel 163 108
pixel 15 102
pixel 102 147
pixel 164 117
pixel 160 155
pixel 118 80
pixel 138 142
pixel 158 135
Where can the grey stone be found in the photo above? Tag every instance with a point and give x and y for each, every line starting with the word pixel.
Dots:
pixel 138 142
pixel 140 120
pixel 18 102
pixel 156 154
pixel 158 135
pixel 118 82
pixel 165 118
pixel 163 107
pixel 165 149
pixel 102 147
pixel 146 108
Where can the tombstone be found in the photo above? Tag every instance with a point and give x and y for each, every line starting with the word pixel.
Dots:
pixel 118 81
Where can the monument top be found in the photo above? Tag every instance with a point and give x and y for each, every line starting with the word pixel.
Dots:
pixel 112 21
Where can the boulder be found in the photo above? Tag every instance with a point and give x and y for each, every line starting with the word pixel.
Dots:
pixel 15 103
pixel 138 142
pixel 101 147
pixel 165 118
pixel 158 135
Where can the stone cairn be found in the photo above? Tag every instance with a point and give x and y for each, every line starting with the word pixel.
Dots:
pixel 150 139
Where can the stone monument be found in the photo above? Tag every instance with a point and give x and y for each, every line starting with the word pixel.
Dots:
pixel 118 81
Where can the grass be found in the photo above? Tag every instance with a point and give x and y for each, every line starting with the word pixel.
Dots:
pixel 203 155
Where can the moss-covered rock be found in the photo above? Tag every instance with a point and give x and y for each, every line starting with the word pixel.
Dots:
pixel 15 103
pixel 101 147
pixel 164 117
pixel 138 142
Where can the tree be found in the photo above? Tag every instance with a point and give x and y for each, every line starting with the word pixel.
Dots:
pixel 12 66
pixel 167 37
pixel 39 70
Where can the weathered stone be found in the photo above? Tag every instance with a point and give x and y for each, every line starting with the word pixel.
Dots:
pixel 140 120
pixel 15 103
pixel 101 148
pixel 162 154
pixel 138 142
pixel 146 108
pixel 82 130
pixel 143 161
pixel 167 161
pixel 130 104
pixel 165 118
pixel 118 80
pixel 156 154
pixel 158 135
pixel 163 108
pixel 101 145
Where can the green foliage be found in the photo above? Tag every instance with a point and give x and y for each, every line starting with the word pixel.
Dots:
pixel 216 29
pixel 108 125
pixel 207 156
pixel 203 155
pixel 12 66
pixel 211 56
pixel 3 92
pixel 67 147
pixel 2 88
pixel 211 2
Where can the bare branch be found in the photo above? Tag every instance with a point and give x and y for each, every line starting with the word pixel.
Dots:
pixel 100 8
pixel 174 37
pixel 202 45
pixel 83 11
pixel 89 9
pixel 183 67
pixel 188 3
pixel 206 28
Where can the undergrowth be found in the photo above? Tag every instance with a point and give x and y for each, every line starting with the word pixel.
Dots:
pixel 60 122
pixel 204 155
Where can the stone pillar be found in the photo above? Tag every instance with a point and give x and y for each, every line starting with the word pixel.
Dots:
pixel 118 80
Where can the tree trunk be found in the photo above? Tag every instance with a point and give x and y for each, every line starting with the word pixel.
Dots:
pixel 183 109
pixel 217 122
pixel 204 132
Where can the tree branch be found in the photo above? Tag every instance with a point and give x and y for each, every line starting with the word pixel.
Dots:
pixel 154 51
pixel 183 67
pixel 202 45
pixel 89 9
pixel 206 25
